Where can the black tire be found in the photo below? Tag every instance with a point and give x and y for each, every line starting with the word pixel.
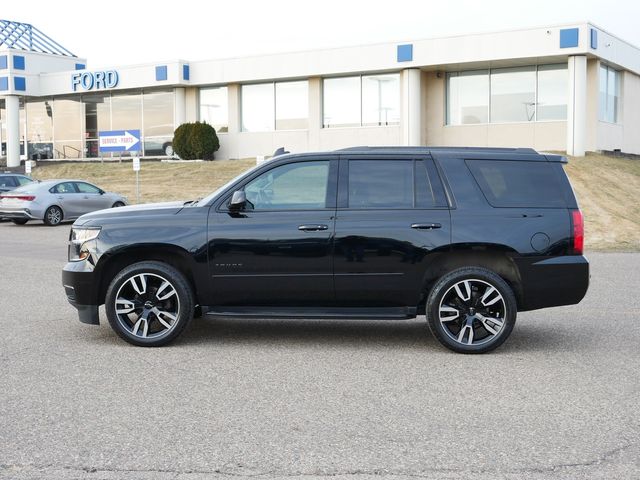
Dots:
pixel 127 284
pixel 117 205
pixel 19 221
pixel 477 325
pixel 53 216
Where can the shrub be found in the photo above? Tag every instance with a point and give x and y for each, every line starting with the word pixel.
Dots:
pixel 196 140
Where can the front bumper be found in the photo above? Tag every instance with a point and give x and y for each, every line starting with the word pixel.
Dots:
pixel 553 281
pixel 81 287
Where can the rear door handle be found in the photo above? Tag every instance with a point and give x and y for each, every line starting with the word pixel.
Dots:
pixel 425 226
pixel 312 228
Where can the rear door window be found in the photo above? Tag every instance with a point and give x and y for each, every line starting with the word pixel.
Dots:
pixel 66 187
pixel 518 183
pixel 394 184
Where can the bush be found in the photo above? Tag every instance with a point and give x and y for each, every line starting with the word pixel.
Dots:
pixel 196 140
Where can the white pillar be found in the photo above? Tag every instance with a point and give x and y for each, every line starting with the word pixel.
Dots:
pixel 315 114
pixel 12 103
pixel 180 105
pixel 577 106
pixel 411 107
pixel 192 104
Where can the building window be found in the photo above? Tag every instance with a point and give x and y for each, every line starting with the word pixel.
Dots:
pixel 258 108
pixel 97 113
pixel 292 105
pixel 520 94
pixel 214 108
pixel 341 98
pixel 126 111
pixel 270 106
pixel 468 97
pixel 513 94
pixel 39 122
pixel 552 92
pixel 363 100
pixel 381 100
pixel 67 127
pixel 609 94
pixel 157 126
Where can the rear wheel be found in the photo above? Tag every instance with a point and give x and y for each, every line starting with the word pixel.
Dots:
pixel 471 310
pixel 149 304
pixel 53 216
pixel 19 221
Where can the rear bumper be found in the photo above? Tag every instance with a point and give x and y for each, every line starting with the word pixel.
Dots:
pixel 81 291
pixel 17 214
pixel 553 281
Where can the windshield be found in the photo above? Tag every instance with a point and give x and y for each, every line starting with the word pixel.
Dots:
pixel 213 195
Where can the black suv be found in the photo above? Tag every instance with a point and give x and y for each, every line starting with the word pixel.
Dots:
pixel 467 236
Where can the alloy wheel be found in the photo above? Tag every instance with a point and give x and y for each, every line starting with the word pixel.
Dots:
pixel 147 306
pixel 54 216
pixel 472 312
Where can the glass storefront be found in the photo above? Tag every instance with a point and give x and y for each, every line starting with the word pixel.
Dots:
pixel 68 127
pixel 367 100
pixel 97 114
pixel 157 119
pixel 503 95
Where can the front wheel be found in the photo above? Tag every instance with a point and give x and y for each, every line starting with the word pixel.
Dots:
pixel 117 205
pixel 471 310
pixel 149 304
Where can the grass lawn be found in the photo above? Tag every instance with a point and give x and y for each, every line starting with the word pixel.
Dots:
pixel 607 189
pixel 159 181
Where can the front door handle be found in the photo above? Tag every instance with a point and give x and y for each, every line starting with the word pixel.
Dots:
pixel 425 226
pixel 312 228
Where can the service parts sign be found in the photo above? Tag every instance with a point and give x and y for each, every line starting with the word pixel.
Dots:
pixel 119 141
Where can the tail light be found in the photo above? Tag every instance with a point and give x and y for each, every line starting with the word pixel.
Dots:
pixel 577 232
pixel 26 198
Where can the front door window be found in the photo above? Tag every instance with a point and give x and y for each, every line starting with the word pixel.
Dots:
pixel 296 186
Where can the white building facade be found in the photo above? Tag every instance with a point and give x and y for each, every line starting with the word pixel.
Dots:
pixel 572 88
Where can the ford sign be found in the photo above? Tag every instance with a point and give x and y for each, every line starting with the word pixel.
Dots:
pixel 94 80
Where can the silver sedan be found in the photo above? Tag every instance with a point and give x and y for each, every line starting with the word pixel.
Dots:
pixel 54 201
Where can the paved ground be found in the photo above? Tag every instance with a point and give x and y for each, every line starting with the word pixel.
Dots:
pixel 311 399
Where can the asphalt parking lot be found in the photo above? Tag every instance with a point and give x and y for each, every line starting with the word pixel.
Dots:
pixel 312 399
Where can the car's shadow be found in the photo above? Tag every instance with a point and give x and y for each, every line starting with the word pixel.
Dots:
pixel 409 333
pixel 404 334
pixel 40 224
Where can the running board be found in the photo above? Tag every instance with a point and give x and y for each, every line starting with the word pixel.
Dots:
pixel 386 313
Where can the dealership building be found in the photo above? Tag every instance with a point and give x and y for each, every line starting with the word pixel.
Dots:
pixel 573 88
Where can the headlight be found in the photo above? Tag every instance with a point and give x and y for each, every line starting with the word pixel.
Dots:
pixel 77 242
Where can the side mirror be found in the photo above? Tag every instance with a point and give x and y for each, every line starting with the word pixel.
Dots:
pixel 238 201
pixel 102 192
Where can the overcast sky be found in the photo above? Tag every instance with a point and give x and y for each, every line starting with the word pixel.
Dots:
pixel 118 32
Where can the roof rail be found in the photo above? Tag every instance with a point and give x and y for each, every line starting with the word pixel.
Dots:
pixel 425 149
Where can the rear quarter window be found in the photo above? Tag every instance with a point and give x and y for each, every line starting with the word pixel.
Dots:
pixel 518 183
